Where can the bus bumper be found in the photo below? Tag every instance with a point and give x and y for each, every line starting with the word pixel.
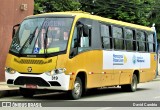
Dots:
pixel 38 81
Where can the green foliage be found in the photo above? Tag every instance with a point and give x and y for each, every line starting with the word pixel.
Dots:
pixel 42 6
pixel 134 11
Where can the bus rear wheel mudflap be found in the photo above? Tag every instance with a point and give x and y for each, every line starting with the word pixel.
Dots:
pixel 27 93
pixel 131 87
pixel 76 92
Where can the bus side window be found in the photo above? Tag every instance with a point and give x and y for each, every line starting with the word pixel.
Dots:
pixel 85 38
pixel 129 39
pixel 151 43
pixel 105 36
pixel 118 38
pixel 81 40
pixel 140 40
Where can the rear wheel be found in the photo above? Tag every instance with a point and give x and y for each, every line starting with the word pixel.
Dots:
pixel 27 93
pixel 131 87
pixel 76 92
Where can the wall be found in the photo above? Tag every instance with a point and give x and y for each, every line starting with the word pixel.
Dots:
pixel 10 14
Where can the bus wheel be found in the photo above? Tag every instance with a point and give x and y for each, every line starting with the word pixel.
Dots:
pixel 131 87
pixel 27 93
pixel 76 92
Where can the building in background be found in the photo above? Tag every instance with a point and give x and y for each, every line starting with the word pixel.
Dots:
pixel 12 12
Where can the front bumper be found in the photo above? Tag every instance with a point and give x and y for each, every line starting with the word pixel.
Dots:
pixel 41 81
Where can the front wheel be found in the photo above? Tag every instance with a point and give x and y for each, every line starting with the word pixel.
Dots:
pixel 131 87
pixel 76 92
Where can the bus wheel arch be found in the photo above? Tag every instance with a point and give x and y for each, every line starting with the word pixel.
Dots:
pixel 79 86
pixel 83 76
pixel 132 87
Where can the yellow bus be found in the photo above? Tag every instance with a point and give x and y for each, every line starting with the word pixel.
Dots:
pixel 76 51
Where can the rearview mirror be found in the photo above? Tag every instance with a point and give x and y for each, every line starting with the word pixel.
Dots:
pixel 15 27
pixel 86 30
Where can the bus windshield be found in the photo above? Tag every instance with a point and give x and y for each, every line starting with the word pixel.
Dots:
pixel 42 36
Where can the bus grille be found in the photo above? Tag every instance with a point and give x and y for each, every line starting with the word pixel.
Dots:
pixel 26 61
pixel 31 80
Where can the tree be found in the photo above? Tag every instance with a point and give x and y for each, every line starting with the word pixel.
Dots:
pixel 134 11
pixel 42 6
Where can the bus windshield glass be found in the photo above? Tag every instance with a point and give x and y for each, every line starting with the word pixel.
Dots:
pixel 42 36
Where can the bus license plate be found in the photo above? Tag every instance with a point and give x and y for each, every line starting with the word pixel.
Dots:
pixel 31 86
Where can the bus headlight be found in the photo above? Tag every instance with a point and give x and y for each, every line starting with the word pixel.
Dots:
pixel 56 71
pixel 59 70
pixel 10 70
pixel 50 73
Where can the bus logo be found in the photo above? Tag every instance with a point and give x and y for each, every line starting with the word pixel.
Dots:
pixel 119 59
pixel 29 69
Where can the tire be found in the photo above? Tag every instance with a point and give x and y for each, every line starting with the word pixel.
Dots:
pixel 76 92
pixel 131 87
pixel 27 93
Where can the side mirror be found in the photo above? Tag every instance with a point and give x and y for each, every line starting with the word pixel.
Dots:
pixel 15 27
pixel 13 32
pixel 86 30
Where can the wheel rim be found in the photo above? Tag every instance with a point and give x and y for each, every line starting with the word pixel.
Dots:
pixel 77 89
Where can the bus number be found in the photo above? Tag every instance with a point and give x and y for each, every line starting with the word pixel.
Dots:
pixel 54 77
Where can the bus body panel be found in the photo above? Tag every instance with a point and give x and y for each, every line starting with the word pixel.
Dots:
pixel 38 65
pixel 40 81
pixel 149 74
pixel 102 70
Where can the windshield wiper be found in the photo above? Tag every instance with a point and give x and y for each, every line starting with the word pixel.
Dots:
pixel 45 42
pixel 28 41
